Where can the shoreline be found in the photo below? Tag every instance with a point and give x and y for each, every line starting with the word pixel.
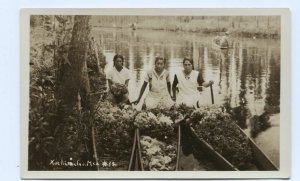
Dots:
pixel 216 32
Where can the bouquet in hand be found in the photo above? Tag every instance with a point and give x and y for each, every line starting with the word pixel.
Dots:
pixel 119 89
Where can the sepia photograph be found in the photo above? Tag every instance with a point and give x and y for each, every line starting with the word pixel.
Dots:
pixel 155 91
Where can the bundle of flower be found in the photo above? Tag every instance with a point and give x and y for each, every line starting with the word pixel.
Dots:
pixel 223 134
pixel 158 155
pixel 114 131
pixel 119 89
pixel 158 126
pixel 176 113
pixel 158 140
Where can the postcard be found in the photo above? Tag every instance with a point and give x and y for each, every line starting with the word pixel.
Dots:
pixel 155 93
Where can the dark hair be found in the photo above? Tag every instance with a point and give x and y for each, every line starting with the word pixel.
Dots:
pixel 190 60
pixel 160 58
pixel 118 56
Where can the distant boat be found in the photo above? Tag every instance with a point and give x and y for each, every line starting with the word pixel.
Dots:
pixel 217 46
pixel 133 26
pixel 216 43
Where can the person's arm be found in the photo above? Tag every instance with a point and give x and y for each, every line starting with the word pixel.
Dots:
pixel 110 83
pixel 126 83
pixel 174 85
pixel 201 82
pixel 168 83
pixel 206 84
pixel 169 88
pixel 126 76
pixel 141 92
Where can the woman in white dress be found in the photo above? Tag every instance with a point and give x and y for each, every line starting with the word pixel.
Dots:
pixel 159 95
pixel 189 83
pixel 118 76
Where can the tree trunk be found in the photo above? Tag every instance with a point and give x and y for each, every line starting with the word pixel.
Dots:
pixel 73 92
pixel 74 78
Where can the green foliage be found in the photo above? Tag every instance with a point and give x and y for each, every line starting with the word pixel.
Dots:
pixel 223 134
pixel 114 131
pixel 97 81
pixel 249 26
pixel 72 138
pixel 158 155
pixel 55 131
pixel 160 127
pixel 42 118
pixel 259 124
pixel 119 89
pixel 158 138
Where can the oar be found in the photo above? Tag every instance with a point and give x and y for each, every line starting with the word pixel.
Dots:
pixel 95 148
pixel 178 148
pixel 133 152
pixel 212 94
pixel 139 150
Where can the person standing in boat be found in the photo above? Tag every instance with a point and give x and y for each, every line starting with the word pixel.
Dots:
pixel 159 95
pixel 224 44
pixel 189 83
pixel 118 78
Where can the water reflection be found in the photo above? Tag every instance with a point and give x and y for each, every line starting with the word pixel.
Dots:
pixel 247 76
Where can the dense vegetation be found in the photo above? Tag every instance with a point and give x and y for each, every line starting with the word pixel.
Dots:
pixel 219 130
pixel 247 26
pixel 60 90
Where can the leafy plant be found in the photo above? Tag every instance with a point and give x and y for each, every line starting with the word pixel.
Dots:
pixel 42 117
pixel 259 124
pixel 158 155
pixel 119 89
pixel 113 131
pixel 223 134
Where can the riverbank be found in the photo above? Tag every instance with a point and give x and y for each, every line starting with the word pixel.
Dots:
pixel 251 27
pixel 243 29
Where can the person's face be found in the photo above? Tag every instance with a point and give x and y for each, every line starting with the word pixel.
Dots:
pixel 119 62
pixel 187 66
pixel 159 65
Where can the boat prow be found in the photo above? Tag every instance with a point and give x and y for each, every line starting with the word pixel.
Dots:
pixel 261 161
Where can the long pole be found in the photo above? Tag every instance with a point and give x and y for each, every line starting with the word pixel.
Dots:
pixel 212 94
pixel 95 148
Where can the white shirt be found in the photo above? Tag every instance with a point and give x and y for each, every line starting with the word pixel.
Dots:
pixel 157 83
pixel 187 85
pixel 118 77
pixel 158 95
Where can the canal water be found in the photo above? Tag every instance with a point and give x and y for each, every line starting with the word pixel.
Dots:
pixel 246 76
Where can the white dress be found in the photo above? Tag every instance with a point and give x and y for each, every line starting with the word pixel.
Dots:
pixel 158 95
pixel 118 77
pixel 187 85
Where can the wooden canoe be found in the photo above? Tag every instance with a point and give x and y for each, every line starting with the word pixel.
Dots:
pixel 135 163
pixel 261 161
pixel 217 158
